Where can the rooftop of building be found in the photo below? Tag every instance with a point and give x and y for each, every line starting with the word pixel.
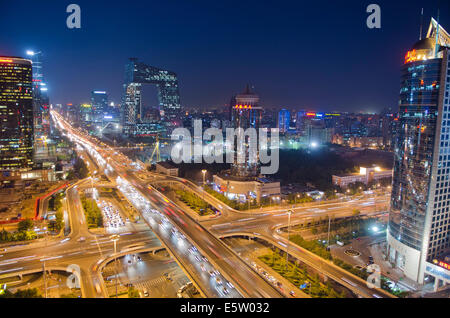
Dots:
pixel 14 59
pixel 228 176
pixel 364 170
pixel 166 165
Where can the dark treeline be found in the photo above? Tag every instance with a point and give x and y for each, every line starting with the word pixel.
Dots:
pixel 316 167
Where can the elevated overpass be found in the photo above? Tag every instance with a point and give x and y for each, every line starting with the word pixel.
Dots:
pixel 211 250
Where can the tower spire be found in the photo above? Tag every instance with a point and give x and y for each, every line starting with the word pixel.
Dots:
pixel 247 89
pixel 421 25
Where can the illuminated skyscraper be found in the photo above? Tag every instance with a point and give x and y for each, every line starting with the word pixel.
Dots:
pixel 99 103
pixel 284 119
pixel 245 113
pixel 16 114
pixel 85 115
pixel 419 220
pixel 166 82
pixel 41 107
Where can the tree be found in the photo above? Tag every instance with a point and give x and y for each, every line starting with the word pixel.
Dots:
pixel 5 236
pixel 25 225
pixel 330 194
pixel 71 175
pixel 80 168
pixel 133 292
pixel 71 295
pixel 56 225
pixel 93 214
pixel 59 220
pixel 22 293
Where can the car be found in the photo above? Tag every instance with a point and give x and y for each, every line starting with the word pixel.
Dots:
pixel 390 284
pixel 225 291
pixel 230 285
pixel 211 273
pixel 292 293
pixel 203 267
pixel 81 239
pixel 145 293
pixel 218 281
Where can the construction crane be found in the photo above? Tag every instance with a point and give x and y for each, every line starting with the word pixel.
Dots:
pixel 156 150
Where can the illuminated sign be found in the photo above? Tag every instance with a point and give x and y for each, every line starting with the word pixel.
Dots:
pixel 311 114
pixel 243 106
pixel 86 105
pixel 6 60
pixel 99 92
pixel 412 56
pixel 441 264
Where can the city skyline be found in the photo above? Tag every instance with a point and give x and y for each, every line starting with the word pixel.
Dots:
pixel 203 150
pixel 296 78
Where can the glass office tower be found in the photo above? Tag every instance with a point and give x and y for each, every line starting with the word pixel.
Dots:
pixel 99 103
pixel 284 119
pixel 166 82
pixel 41 103
pixel 16 114
pixel 245 113
pixel 420 201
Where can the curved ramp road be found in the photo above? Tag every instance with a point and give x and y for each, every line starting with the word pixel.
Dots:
pixel 224 274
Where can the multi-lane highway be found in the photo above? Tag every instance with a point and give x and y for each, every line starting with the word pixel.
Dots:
pixel 213 266
pixel 265 225
pixel 80 247
pixel 227 266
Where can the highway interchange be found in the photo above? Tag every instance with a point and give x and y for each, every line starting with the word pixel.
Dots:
pixel 211 265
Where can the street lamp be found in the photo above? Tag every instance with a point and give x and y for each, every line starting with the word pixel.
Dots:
pixel 204 173
pixel 115 238
pixel 289 228
pixel 329 225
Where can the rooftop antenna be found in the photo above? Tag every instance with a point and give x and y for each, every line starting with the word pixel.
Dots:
pixel 421 25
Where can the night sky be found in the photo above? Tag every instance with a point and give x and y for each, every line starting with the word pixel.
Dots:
pixel 297 54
